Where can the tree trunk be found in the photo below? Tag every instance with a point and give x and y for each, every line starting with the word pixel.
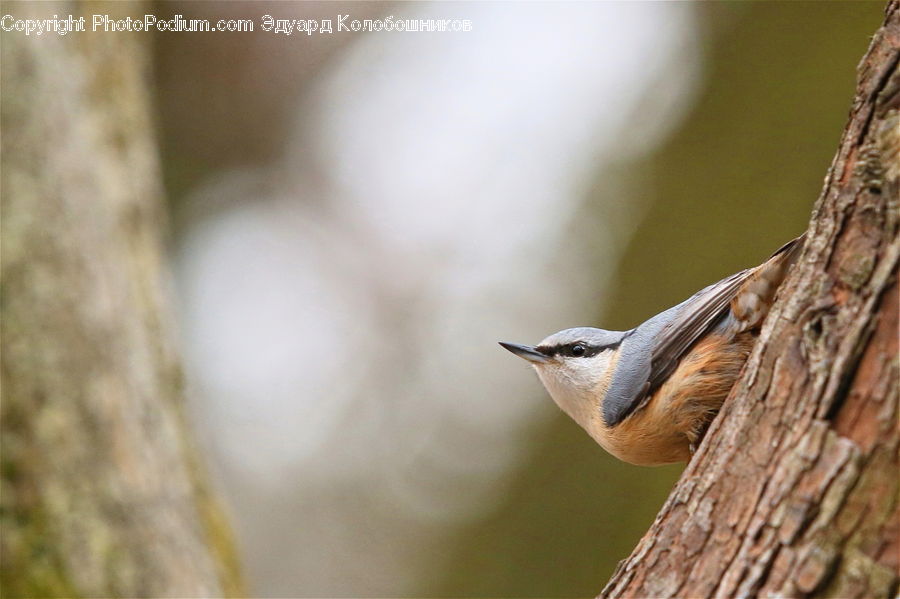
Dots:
pixel 102 494
pixel 794 491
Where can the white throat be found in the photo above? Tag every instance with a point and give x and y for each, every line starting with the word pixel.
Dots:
pixel 578 385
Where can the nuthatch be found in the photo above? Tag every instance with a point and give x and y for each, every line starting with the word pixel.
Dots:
pixel 647 395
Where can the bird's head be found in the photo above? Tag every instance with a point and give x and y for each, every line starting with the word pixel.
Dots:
pixel 575 366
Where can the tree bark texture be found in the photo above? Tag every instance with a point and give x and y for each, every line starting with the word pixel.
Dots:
pixel 794 492
pixel 102 493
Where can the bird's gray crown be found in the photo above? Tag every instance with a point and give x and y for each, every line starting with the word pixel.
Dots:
pixel 593 339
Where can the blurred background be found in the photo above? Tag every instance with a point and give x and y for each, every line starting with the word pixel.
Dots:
pixel 360 218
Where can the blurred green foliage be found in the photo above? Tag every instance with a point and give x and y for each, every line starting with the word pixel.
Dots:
pixel 737 179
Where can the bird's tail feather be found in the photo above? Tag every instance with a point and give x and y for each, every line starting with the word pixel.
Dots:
pixel 751 304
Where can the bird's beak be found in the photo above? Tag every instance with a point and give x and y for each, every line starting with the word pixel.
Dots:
pixel 527 352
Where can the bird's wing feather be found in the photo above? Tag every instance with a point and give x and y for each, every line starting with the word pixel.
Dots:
pixel 653 350
pixel 703 311
pixel 698 315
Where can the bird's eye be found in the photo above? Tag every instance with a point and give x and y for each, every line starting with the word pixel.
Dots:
pixel 578 350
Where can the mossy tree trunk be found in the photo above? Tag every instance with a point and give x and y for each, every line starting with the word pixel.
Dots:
pixel 101 491
pixel 794 492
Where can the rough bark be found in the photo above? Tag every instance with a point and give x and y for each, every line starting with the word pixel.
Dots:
pixel 794 491
pixel 102 494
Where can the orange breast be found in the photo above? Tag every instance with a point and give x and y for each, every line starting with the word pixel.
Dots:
pixel 678 412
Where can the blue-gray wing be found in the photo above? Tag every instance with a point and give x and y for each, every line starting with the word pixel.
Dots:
pixel 698 315
pixel 706 309
pixel 652 351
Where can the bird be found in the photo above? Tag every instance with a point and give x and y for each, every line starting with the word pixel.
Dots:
pixel 647 395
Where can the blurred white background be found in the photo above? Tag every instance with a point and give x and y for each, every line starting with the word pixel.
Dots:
pixel 342 299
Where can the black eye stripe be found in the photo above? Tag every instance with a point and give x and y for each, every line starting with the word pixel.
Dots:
pixel 566 349
pixel 589 351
